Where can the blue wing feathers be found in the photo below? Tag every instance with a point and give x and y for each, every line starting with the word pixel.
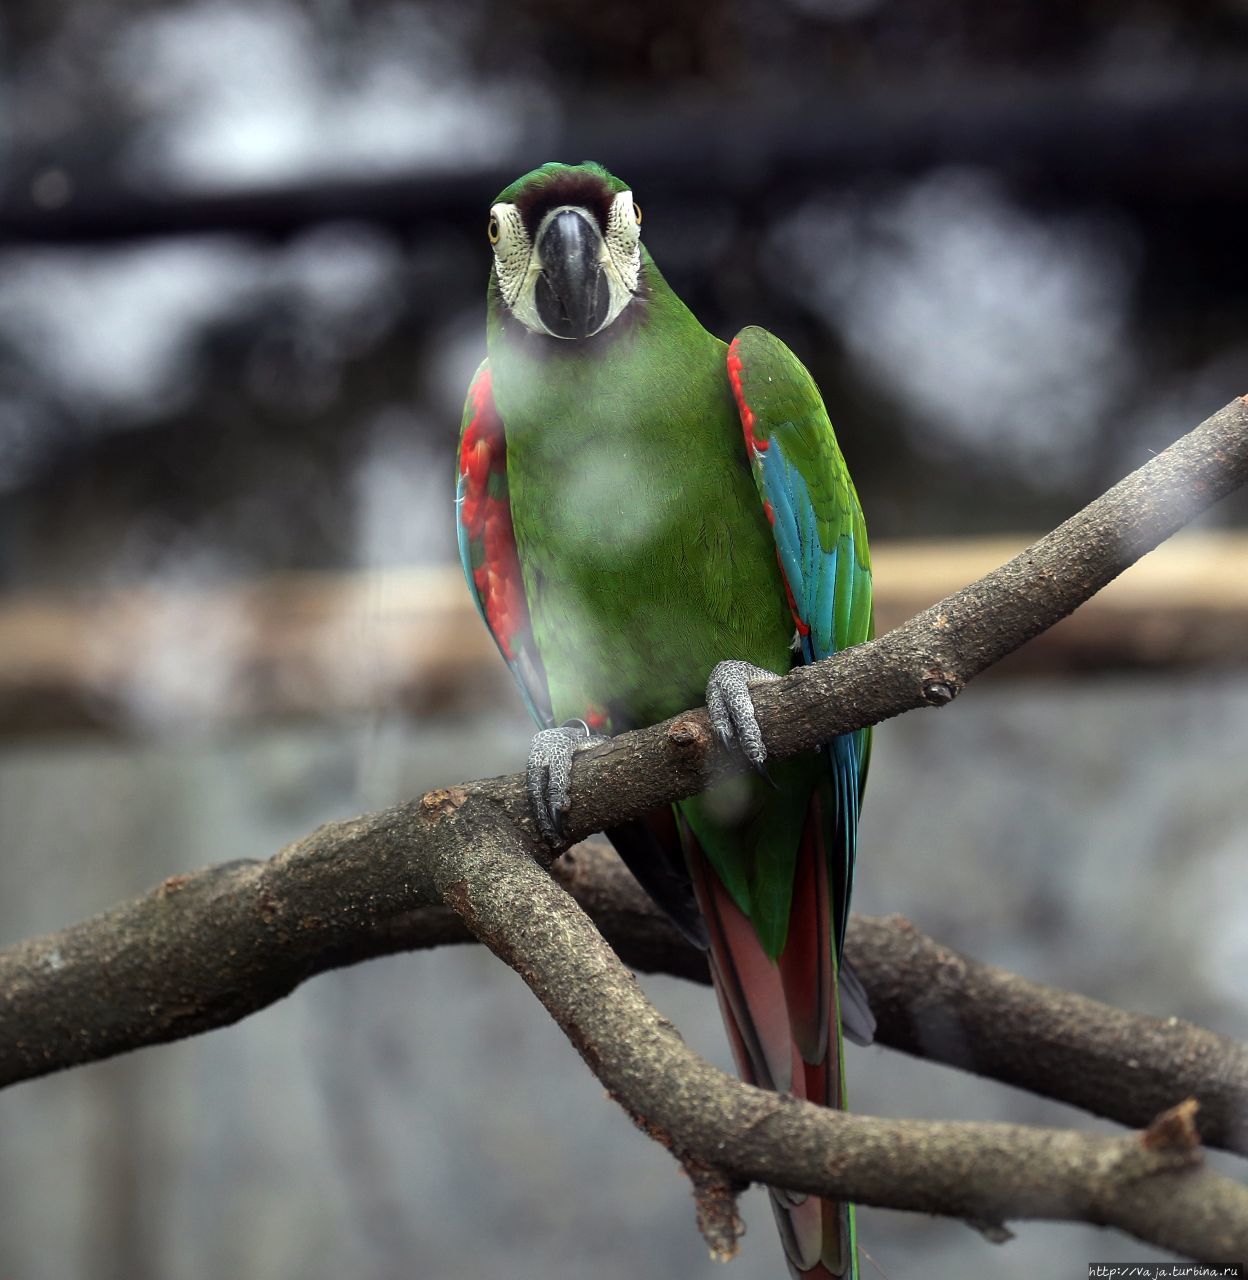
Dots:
pixel 822 619
pixel 843 591
pixel 846 756
pixel 822 579
pixel 788 540
pixel 821 545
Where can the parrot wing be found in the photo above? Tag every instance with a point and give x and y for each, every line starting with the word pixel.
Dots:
pixel 487 544
pixel 821 546
pixel 784 1007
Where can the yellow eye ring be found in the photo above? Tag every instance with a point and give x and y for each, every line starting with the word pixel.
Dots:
pixel 493 230
pixel 637 212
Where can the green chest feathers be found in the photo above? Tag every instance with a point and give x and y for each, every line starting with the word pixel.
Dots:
pixel 645 552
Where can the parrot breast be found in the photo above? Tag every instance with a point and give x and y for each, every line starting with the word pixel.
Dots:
pixel 645 553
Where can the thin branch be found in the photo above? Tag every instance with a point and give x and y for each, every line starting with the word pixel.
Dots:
pixel 1128 1067
pixel 198 952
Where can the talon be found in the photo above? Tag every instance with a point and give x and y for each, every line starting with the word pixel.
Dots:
pixel 731 709
pixel 548 774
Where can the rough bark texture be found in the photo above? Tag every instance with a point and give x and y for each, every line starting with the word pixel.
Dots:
pixel 78 995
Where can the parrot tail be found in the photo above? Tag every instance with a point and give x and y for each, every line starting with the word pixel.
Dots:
pixel 783 1021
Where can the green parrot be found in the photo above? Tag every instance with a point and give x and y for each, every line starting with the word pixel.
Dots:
pixel 648 516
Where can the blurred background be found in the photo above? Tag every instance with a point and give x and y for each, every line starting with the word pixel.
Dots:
pixel 242 276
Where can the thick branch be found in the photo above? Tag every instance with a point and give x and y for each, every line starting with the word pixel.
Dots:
pixel 929 1001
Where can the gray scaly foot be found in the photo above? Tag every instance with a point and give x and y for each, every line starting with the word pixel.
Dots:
pixel 548 774
pixel 731 709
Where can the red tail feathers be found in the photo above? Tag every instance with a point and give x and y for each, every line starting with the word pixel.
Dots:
pixel 784 1026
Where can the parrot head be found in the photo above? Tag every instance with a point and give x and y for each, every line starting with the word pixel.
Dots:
pixel 567 249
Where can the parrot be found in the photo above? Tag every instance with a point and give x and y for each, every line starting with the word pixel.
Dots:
pixel 648 518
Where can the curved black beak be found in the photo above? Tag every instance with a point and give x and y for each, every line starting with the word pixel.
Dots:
pixel 572 294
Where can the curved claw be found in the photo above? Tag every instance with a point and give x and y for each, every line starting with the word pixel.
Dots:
pixel 731 709
pixel 548 774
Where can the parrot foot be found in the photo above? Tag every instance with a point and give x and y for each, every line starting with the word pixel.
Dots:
pixel 548 774
pixel 731 709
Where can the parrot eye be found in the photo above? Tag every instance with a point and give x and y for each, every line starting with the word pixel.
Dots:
pixel 637 212
pixel 492 230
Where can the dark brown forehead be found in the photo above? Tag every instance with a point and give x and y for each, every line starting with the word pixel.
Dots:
pixel 586 190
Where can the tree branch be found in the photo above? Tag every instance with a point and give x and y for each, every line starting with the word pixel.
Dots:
pixel 1128 1067
pixel 1150 1185
pixel 935 1003
pixel 200 951
pixel 929 1001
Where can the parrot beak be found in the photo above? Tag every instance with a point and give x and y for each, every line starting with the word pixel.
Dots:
pixel 572 294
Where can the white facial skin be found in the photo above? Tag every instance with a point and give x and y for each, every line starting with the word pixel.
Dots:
pixel 517 261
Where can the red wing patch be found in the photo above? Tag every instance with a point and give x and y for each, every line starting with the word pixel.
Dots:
pixel 755 447
pixel 803 628
pixel 597 718
pixel 738 394
pixel 486 516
